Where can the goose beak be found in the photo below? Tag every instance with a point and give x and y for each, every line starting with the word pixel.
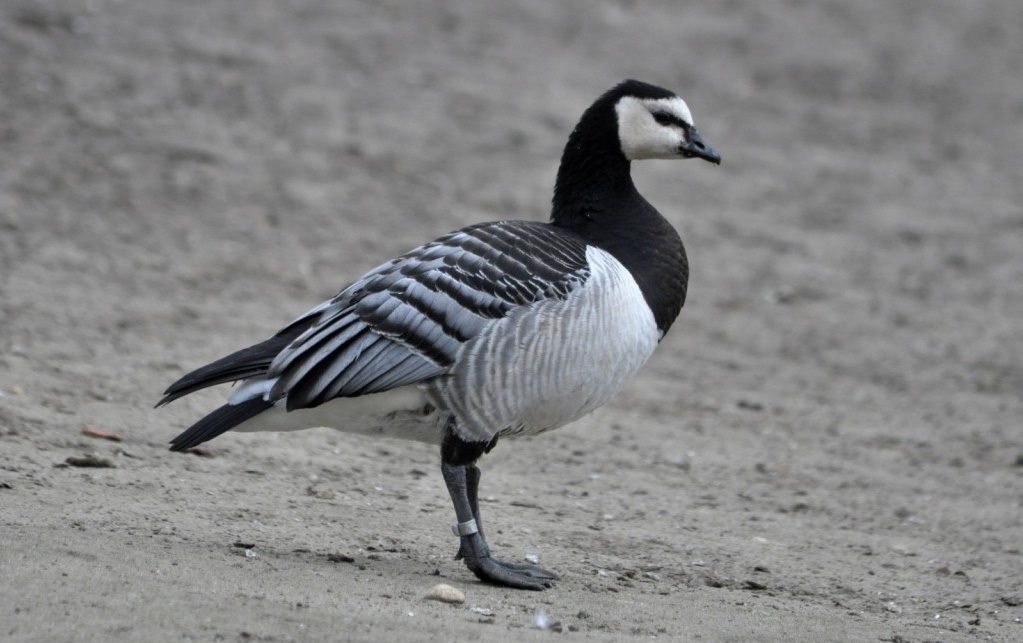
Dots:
pixel 697 149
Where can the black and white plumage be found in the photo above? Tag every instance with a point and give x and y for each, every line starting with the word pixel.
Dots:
pixel 498 329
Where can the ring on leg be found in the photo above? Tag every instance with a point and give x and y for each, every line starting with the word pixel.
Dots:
pixel 461 477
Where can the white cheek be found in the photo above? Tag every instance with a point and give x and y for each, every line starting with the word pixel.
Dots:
pixel 641 136
pixel 648 140
pixel 664 144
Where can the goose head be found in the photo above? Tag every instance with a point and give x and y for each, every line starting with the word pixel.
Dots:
pixel 654 123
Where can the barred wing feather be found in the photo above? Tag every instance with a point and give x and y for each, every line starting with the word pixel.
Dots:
pixel 406 320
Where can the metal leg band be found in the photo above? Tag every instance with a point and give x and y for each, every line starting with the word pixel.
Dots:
pixel 466 528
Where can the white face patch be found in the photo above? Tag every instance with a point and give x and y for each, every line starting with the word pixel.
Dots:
pixel 642 136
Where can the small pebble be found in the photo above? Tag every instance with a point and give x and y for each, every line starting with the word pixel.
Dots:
pixel 540 620
pixel 446 594
pixel 91 460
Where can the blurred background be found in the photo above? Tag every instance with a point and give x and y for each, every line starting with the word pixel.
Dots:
pixel 179 179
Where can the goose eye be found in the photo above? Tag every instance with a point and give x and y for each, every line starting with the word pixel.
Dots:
pixel 664 118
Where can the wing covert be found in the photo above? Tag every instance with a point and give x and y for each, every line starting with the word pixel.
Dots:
pixel 406 320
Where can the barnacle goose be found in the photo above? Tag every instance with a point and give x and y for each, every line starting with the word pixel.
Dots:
pixel 498 329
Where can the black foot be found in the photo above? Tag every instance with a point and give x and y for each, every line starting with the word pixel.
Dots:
pixel 516 575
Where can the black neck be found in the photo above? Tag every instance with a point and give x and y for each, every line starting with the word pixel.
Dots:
pixel 594 197
pixel 593 170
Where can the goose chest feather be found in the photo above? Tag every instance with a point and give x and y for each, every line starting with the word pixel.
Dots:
pixel 498 329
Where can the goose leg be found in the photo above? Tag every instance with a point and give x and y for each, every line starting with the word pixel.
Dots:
pixel 462 480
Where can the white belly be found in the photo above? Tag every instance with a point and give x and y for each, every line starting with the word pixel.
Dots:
pixel 400 413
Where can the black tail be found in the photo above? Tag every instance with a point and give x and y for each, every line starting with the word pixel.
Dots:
pixel 248 362
pixel 223 419
pixel 253 361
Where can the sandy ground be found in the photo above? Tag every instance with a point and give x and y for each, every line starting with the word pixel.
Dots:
pixel 827 447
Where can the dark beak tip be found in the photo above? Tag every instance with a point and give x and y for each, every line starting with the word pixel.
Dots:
pixel 710 155
pixel 707 154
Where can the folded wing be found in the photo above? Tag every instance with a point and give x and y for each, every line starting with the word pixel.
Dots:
pixel 405 321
